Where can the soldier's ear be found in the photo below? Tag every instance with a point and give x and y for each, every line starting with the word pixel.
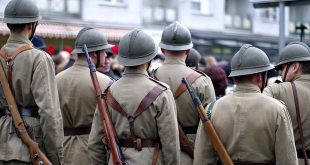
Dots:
pixel 296 68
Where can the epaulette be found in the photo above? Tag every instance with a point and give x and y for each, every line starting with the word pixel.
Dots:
pixel 159 83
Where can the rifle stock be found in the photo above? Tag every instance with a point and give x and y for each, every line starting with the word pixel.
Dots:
pixel 208 127
pixel 108 128
pixel 36 155
pixel 185 143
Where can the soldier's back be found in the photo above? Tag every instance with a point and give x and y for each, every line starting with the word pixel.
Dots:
pixel 78 105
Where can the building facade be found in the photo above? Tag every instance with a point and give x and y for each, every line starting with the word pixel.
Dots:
pixel 219 27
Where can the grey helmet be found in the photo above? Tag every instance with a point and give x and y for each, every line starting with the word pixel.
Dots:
pixel 176 37
pixel 136 48
pixel 193 58
pixel 249 60
pixel 93 39
pixel 21 12
pixel 294 51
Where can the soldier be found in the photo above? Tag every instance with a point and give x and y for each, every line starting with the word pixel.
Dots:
pixel 176 44
pixel 76 95
pixel 294 63
pixel 254 128
pixel 106 67
pixel 142 109
pixel 193 59
pixel 30 73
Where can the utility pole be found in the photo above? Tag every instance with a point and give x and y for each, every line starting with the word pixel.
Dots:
pixel 281 25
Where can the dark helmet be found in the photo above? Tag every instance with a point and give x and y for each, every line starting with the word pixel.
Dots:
pixel 294 51
pixel 38 42
pixel 136 48
pixel 249 60
pixel 20 12
pixel 176 37
pixel 193 58
pixel 93 39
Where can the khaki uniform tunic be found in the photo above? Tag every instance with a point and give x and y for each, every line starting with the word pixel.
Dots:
pixel 284 92
pixel 34 85
pixel 171 73
pixel 157 121
pixel 78 105
pixel 253 127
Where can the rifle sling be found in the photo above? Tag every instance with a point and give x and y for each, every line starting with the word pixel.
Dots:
pixel 299 126
pixel 191 78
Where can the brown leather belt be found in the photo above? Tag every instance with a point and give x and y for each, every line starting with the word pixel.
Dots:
pixel 249 163
pixel 300 155
pixel 190 130
pixel 77 131
pixel 138 143
pixel 28 112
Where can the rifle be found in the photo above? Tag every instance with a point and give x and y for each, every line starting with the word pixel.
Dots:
pixel 36 155
pixel 208 127
pixel 185 143
pixel 108 128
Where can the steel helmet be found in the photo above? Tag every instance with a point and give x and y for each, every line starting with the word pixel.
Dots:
pixel 176 37
pixel 249 60
pixel 136 48
pixel 21 12
pixel 193 58
pixel 93 39
pixel 294 51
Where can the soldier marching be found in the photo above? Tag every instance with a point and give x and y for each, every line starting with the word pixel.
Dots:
pixel 153 119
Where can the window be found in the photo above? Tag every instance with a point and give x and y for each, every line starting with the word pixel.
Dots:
pixel 113 2
pixel 201 6
pixel 159 12
pixel 70 8
pixel 269 14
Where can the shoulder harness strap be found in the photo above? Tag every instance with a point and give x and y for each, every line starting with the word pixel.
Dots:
pixel 10 60
pixel 191 78
pixel 209 110
pixel 299 126
pixel 146 102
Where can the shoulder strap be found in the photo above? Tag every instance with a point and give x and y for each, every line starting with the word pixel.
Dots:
pixel 209 110
pixel 114 104
pixel 191 78
pixel 10 60
pixel 299 126
pixel 149 99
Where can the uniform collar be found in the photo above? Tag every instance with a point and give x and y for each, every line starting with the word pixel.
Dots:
pixel 247 88
pixel 174 60
pixel 17 38
pixel 135 72
pixel 81 62
pixel 304 77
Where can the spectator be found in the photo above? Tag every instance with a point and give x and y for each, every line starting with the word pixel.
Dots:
pixel 217 75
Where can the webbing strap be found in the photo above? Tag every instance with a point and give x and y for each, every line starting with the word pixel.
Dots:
pixel 191 78
pixel 10 60
pixel 299 126
pixel 146 101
